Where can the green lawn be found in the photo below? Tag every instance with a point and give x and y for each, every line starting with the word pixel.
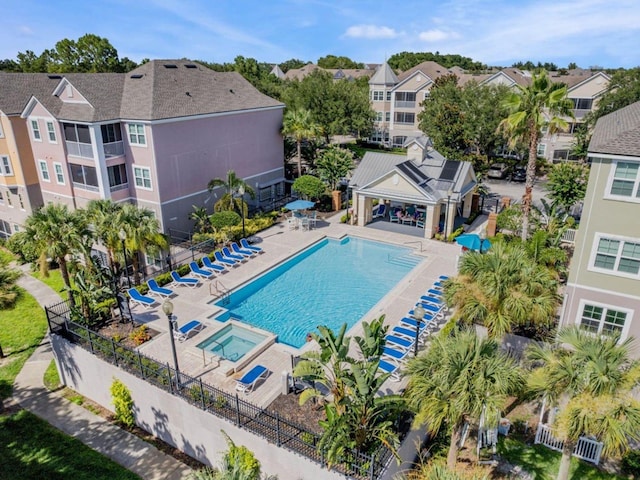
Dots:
pixel 54 280
pixel 31 448
pixel 543 462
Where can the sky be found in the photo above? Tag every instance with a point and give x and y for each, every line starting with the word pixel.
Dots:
pixel 603 33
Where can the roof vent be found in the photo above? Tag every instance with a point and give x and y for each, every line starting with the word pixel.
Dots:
pixel 137 75
pixel 188 94
pixel 55 77
pixel 231 90
pixel 170 65
pixel 190 65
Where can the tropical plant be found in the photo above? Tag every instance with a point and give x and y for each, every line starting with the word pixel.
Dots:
pixel 590 378
pixel 458 378
pixel 503 288
pixel 567 184
pixel 299 125
pixel 8 288
pixel 541 104
pixel 104 216
pixel 91 286
pixel 123 403
pixel 230 200
pixel 201 218
pixel 56 232
pixel 309 186
pixel 438 470
pixel 334 164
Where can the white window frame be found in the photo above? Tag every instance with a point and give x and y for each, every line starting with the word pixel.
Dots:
pixel 379 116
pixel 1 131
pixel 594 252
pixel 35 128
pixel 6 170
pixel 135 136
pixel 378 96
pixel 627 322
pixel 636 185
pixel 541 149
pixel 44 171
pixel 51 130
pixel 136 177
pixel 59 173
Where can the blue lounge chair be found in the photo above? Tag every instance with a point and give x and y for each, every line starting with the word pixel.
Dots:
pixel 250 379
pixel 233 256
pixel 431 299
pixel 394 355
pixel 399 342
pixel 248 246
pixel 412 323
pixel 429 307
pixel 186 281
pixel 438 285
pixel 242 251
pixel 182 333
pixel 443 278
pixel 405 331
pixel 157 289
pixel 143 300
pixel 214 267
pixel 389 367
pixel 380 210
pixel 225 261
pixel 434 292
pixel 200 272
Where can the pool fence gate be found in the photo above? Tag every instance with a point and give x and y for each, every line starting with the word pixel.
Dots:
pixel 587 449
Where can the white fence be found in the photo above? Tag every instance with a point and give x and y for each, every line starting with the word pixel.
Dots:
pixel 569 236
pixel 587 449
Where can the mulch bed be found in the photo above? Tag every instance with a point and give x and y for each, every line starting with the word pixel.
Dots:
pixel 122 332
pixel 307 415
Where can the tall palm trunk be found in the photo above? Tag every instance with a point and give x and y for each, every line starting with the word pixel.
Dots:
pixel 299 143
pixel 64 273
pixel 528 186
pixel 565 461
pixel 456 435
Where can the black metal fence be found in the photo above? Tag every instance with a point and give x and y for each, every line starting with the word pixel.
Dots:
pixel 231 407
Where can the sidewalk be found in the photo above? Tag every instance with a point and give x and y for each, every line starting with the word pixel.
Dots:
pixel 120 446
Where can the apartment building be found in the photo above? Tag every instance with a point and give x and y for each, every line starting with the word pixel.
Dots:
pixel 603 290
pixel 154 136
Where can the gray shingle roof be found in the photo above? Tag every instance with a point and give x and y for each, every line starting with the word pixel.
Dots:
pixel 384 76
pixel 17 88
pixel 618 133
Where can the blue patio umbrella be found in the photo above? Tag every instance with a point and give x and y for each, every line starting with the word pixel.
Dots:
pixel 299 205
pixel 473 241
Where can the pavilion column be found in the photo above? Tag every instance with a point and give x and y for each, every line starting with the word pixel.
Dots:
pixel 466 204
pixel 432 220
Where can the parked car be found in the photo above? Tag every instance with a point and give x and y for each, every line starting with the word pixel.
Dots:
pixel 519 175
pixel 497 170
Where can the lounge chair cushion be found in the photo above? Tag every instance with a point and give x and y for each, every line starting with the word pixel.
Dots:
pixel 183 332
pixel 249 380
pixel 247 245
pixel 136 296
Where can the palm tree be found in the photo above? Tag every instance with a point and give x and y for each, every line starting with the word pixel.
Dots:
pixel 503 288
pixel 590 378
pixel 229 200
pixel 56 232
pixel 102 216
pixel 541 104
pixel 300 125
pixel 459 376
pixel 8 287
pixel 201 217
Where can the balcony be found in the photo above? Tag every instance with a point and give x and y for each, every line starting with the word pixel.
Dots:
pixel 122 186
pixel 114 149
pixel 84 186
pixel 579 113
pixel 404 104
pixel 76 149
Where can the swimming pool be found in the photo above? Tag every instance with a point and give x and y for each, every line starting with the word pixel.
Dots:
pixel 232 342
pixel 330 283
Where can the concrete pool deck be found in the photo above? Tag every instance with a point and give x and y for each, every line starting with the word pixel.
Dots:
pixel 279 243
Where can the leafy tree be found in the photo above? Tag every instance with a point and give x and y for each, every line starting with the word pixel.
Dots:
pixel 334 163
pixel 331 61
pixel 543 103
pixel 292 64
pixel 590 378
pixel 299 125
pixel 403 61
pixel 309 186
pixel 581 139
pixel 8 65
pixel 502 288
pixel 455 380
pixel 224 219
pixel 230 200
pixel 624 89
pixel 201 218
pixel 104 217
pixel 8 288
pixel 29 62
pixel 567 183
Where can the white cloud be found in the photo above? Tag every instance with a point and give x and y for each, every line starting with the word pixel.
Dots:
pixel 25 30
pixel 437 35
pixel 371 32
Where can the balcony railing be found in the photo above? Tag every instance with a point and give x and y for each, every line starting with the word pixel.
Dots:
pixel 580 112
pixel 122 186
pixel 75 149
pixel 400 104
pixel 84 186
pixel 113 149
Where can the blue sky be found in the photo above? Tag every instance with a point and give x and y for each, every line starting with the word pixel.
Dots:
pixel 605 33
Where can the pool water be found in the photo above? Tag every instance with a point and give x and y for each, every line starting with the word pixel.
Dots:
pixel 330 283
pixel 232 342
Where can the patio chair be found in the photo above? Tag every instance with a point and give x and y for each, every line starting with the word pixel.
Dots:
pixel 395 355
pixel 200 272
pixel 185 281
pixel 207 263
pixel 313 219
pixel 224 260
pixel 137 297
pixel 389 367
pixel 248 246
pixel 431 309
pixel 420 222
pixel 157 289
pixel 227 253
pixel 293 223
pixel 408 333
pixel 304 223
pixel 242 251
pixel 412 323
pixel 182 333
pixel 380 210
pixel 431 299
pixel 394 217
pixel 434 292
pixel 397 342
pixel 250 379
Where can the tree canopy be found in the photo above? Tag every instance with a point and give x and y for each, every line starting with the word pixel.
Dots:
pixel 405 60
pixel 567 184
pixel 331 61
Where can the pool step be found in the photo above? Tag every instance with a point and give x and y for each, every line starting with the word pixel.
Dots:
pixel 407 260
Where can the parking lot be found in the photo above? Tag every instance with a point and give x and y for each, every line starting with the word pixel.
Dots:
pixel 514 190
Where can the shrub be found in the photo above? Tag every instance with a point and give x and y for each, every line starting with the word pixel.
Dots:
pixel 123 403
pixel 140 335
pixel 19 244
pixel 630 464
pixel 345 218
pixel 309 186
pixel 224 219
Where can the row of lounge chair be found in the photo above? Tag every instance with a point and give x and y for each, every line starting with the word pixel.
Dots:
pixel 400 342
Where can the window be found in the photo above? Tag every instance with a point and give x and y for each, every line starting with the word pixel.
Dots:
pixel 602 320
pixel 51 131
pixel 407 118
pixel 562 156
pixel 21 202
pixel 378 96
pixel 626 181
pixel 117 176
pixel 542 149
pixel 389 96
pixel 1 132
pixel 379 116
pixel 265 194
pixel 387 117
pixel 1 198
pixel 78 140
pixel 84 177
pixel 5 166
pixel 44 170
pixel 5 229
pixel 154 259
pixel 582 103
pixel 399 141
pixel 35 129
pixel 405 99
pixel 617 255
pixel 426 95
pixel 136 134
pixel 143 177
pixel 57 167
pixel 111 133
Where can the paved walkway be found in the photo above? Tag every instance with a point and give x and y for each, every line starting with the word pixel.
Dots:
pixel 120 446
